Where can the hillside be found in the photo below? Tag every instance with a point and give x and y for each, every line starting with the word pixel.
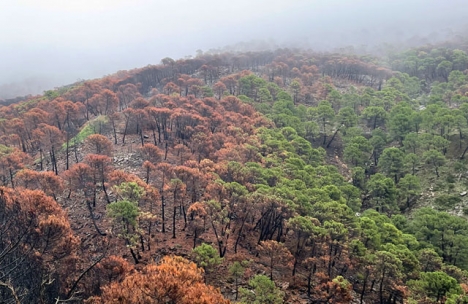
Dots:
pixel 286 176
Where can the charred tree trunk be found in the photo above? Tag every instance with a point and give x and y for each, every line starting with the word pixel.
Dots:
pixel 174 212
pixel 333 137
pixel 163 203
pixel 91 213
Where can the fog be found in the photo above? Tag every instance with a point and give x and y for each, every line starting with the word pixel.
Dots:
pixel 49 43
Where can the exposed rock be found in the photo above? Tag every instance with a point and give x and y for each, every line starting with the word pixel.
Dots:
pixel 463 193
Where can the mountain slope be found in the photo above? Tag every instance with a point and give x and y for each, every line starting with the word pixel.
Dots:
pixel 313 170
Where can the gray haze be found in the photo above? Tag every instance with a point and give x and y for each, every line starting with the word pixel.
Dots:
pixel 47 43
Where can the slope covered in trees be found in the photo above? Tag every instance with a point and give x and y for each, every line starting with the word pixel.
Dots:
pixel 286 176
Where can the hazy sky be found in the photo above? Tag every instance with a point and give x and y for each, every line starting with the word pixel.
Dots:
pixel 44 43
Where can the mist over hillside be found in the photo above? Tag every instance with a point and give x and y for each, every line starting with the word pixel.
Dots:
pixel 52 43
pixel 268 152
